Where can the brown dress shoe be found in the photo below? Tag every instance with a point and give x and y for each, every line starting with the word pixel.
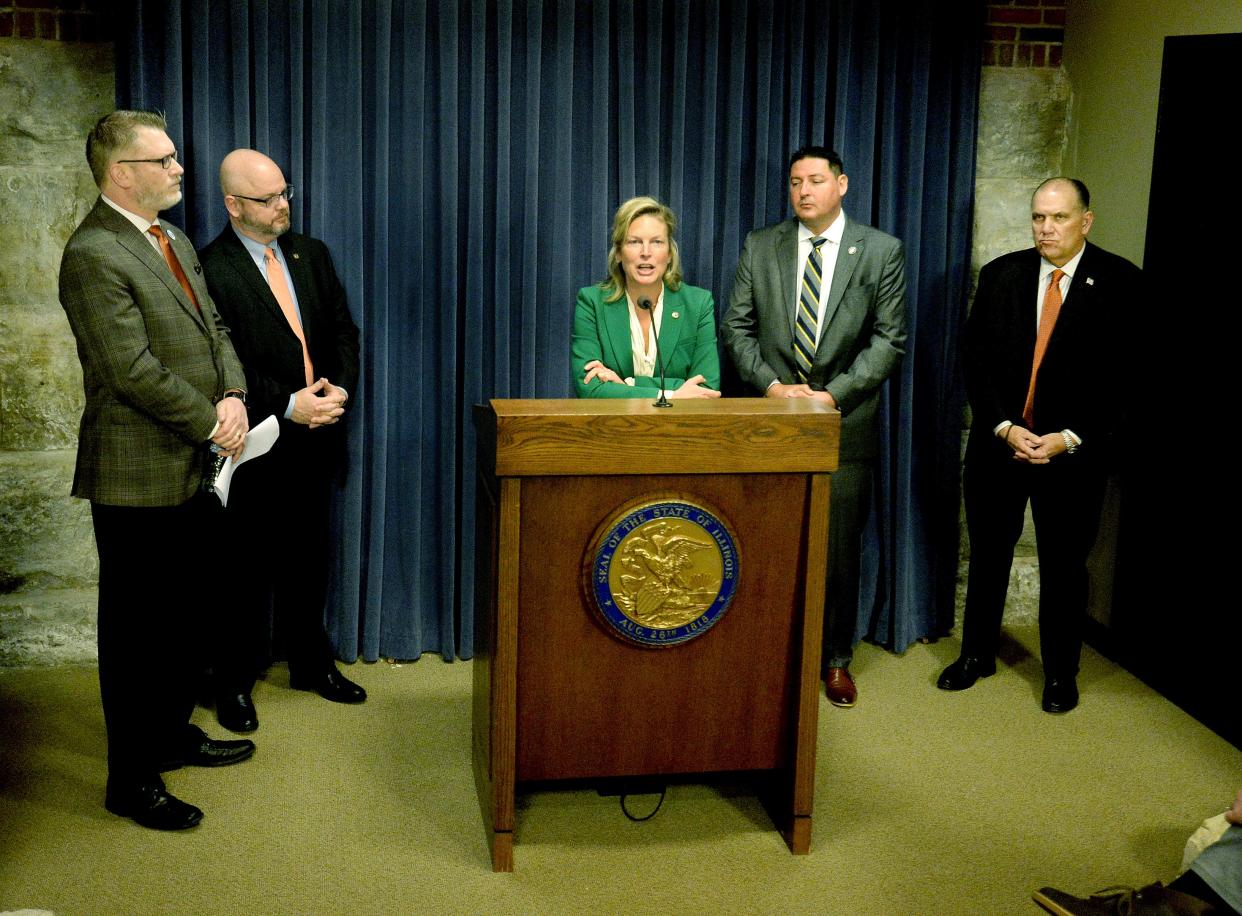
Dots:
pixel 840 687
pixel 1153 900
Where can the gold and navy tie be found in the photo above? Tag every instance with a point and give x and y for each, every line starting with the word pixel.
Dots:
pixel 808 312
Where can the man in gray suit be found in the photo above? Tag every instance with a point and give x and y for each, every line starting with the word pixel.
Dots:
pixel 818 310
pixel 161 382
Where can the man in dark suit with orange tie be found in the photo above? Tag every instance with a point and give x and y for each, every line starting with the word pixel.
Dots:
pixel 162 383
pixel 299 346
pixel 1045 352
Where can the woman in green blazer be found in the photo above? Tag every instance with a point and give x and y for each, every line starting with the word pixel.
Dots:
pixel 614 352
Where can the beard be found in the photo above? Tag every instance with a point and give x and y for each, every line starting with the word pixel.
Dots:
pixel 276 226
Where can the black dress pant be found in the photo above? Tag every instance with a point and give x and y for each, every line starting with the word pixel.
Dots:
pixel 1066 496
pixel 278 515
pixel 847 515
pixel 160 570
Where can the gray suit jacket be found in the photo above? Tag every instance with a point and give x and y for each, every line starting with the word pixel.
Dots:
pixel 864 323
pixel 152 364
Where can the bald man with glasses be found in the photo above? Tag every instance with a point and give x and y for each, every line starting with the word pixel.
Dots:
pixel 292 328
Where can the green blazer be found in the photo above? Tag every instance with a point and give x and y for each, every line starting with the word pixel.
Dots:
pixel 687 342
pixel 152 364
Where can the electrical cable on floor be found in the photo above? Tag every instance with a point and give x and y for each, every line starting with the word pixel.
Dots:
pixel 639 820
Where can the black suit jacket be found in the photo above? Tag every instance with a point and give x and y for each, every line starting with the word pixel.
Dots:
pixel 1083 376
pixel 267 346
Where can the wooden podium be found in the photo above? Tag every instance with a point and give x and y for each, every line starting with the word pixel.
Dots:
pixel 560 696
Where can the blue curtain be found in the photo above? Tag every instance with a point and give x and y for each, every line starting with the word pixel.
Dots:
pixel 463 159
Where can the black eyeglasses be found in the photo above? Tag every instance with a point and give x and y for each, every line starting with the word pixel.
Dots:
pixel 165 162
pixel 287 194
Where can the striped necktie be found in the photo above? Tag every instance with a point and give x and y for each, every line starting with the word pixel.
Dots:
pixel 808 312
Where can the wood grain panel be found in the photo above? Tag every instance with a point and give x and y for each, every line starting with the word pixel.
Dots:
pixel 590 704
pixel 728 436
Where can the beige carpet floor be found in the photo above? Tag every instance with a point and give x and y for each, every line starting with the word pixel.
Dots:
pixel 926 803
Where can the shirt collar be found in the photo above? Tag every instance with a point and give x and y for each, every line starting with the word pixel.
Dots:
pixel 256 249
pixel 834 233
pixel 1046 267
pixel 142 224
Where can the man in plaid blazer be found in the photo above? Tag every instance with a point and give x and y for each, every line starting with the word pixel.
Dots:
pixel 162 384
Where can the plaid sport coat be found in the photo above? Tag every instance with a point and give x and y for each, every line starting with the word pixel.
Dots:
pixel 153 365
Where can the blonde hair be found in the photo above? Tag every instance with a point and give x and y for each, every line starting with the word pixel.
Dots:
pixel 629 211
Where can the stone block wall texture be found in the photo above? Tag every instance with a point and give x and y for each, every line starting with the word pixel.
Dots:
pixel 53 91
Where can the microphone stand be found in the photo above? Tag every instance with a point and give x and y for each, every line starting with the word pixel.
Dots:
pixel 646 305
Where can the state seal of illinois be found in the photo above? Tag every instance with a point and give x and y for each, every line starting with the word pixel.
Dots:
pixel 662 572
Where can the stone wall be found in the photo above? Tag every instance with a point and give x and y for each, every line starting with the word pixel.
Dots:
pixel 54 91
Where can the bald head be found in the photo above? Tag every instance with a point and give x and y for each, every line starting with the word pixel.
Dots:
pixel 255 194
pixel 1060 219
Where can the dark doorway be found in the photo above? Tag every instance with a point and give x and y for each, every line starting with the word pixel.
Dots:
pixel 1177 606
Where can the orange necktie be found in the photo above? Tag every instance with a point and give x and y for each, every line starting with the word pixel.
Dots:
pixel 280 289
pixel 173 264
pixel 1047 318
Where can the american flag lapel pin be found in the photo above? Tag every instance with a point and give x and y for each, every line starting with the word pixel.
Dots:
pixel 1091 281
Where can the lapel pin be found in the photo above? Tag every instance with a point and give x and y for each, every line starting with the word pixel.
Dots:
pixel 296 256
pixel 198 268
pixel 676 314
pixel 1091 281
pixel 853 249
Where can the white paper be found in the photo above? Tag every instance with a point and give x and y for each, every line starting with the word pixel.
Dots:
pixel 259 441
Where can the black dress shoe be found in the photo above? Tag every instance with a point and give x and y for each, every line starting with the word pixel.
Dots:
pixel 150 805
pixel 1060 694
pixel 331 685
pixel 236 712
pixel 964 672
pixel 197 750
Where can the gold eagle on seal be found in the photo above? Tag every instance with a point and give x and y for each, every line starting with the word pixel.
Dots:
pixel 665 573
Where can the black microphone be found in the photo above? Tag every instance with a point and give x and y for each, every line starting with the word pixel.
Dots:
pixel 646 305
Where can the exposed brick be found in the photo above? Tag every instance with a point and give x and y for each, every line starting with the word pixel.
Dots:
pixel 6 25
pixel 1002 33
pixel 1054 56
pixel 1060 3
pixel 24 25
pixel 1038 55
pixel 1050 35
pixel 989 54
pixel 1022 56
pixel 1016 15
pixel 1054 17
pixel 1004 55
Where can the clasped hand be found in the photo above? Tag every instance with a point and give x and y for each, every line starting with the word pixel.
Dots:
pixel 232 426
pixel 1031 448
pixel 779 390
pixel 690 388
pixel 320 404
